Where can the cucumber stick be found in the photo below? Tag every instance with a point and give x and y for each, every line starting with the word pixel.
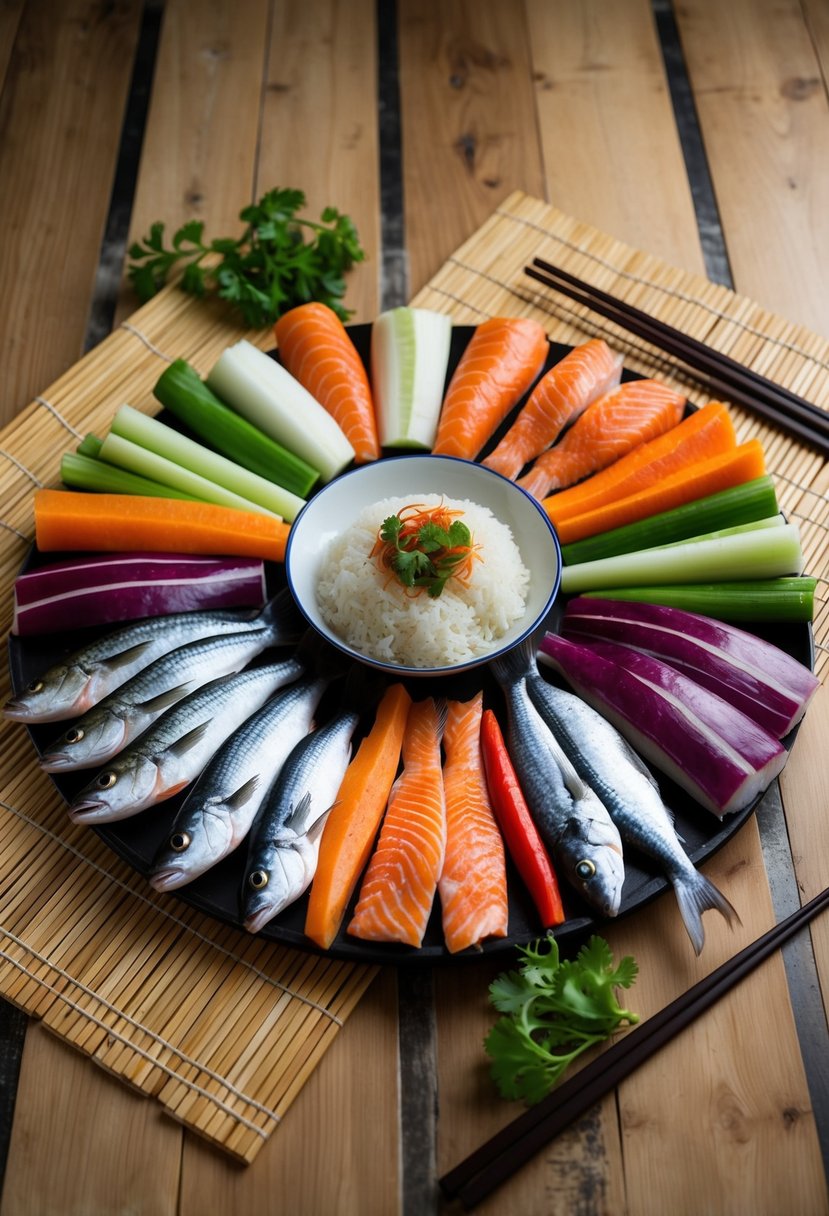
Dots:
pixel 163 443
pixel 765 553
pixel 181 390
pixel 772 599
pixel 409 359
pixel 89 473
pixel 741 504
pixel 263 392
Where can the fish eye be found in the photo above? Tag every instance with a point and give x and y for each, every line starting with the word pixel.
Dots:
pixel 258 879
pixel 74 735
pixel 180 841
pixel 586 868
pixel 107 780
pixel 35 686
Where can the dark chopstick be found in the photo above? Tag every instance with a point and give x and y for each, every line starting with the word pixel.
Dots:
pixel 725 376
pixel 502 1155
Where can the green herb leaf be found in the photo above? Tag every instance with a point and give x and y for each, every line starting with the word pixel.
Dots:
pixel 279 261
pixel 554 1010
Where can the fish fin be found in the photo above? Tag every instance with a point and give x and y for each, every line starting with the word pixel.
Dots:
pixel 516 663
pixel 282 617
pixel 299 815
pixel 239 798
pixel 697 894
pixel 125 657
pixel 315 830
pixel 188 741
pixel 165 699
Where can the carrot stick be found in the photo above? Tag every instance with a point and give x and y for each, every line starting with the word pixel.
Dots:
pixel 70 520
pixel 732 468
pixel 352 825
pixel 704 434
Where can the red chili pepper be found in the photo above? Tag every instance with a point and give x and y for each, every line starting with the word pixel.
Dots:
pixel 520 833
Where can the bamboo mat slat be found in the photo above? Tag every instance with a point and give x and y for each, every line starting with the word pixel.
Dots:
pixel 222 1029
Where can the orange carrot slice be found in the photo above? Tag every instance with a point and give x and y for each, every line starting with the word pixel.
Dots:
pixel 315 348
pixel 352 825
pixel 705 433
pixel 503 358
pixel 70 520
pixel 741 464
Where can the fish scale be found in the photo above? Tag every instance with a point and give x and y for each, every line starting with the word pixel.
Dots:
pixel 172 753
pixel 216 815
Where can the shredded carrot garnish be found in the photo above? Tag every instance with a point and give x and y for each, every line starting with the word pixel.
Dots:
pixel 423 547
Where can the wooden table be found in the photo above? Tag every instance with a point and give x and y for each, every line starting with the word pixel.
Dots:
pixel 698 132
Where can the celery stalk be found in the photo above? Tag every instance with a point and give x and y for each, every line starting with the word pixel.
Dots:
pixel 773 599
pixel 767 553
pixel 181 390
pixel 409 358
pixel 88 473
pixel 773 521
pixel 153 435
pixel 90 445
pixel 741 504
pixel 131 456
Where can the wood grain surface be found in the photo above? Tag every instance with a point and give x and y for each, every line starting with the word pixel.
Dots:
pixel 570 103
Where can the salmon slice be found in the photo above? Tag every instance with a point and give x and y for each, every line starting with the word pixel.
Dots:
pixel 585 374
pixel 317 351
pixel 503 358
pixel 611 427
pixel 399 886
pixel 473 884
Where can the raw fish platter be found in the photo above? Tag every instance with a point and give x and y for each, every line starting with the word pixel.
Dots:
pixel 506 699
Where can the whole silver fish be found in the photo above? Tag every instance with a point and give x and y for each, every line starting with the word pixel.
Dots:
pixel 85 677
pixel 216 815
pixel 572 821
pixel 284 839
pixel 106 728
pixel 172 753
pixel 607 762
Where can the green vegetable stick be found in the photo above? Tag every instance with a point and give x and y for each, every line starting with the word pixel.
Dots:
pixel 153 435
pixel 774 599
pixel 89 473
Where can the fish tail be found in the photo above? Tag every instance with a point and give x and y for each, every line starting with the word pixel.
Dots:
pixel 283 618
pixel 516 664
pixel 696 894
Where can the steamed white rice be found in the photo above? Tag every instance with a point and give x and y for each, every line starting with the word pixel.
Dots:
pixel 369 609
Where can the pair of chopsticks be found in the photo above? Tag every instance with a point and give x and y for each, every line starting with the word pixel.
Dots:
pixel 725 376
pixel 497 1160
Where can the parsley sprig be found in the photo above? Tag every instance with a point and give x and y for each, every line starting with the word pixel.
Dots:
pixel 280 260
pixel 555 1009
pixel 424 550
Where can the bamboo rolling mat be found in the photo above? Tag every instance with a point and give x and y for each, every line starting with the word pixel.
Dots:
pixel 220 1028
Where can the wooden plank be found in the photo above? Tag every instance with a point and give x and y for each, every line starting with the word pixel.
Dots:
pixel 198 158
pixel 10 15
pixel 61 110
pixel 468 121
pixel 607 125
pixel 321 1159
pixel 764 114
pixel 320 112
pixel 82 1142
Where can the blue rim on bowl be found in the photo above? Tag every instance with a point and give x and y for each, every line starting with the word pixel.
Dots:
pixel 337 505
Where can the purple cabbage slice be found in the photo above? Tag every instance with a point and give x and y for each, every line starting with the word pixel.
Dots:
pixel 80 592
pixel 754 675
pixel 719 755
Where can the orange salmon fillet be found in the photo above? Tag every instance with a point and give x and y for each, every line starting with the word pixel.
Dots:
pixel 503 358
pixel 584 374
pixel 399 886
pixel 618 422
pixel 317 351
pixel 473 884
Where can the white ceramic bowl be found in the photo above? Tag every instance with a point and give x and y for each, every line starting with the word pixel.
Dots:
pixel 336 506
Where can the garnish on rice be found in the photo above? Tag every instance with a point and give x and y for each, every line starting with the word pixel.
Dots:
pixel 423 547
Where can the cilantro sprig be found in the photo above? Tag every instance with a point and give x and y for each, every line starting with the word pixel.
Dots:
pixel 280 260
pixel 424 549
pixel 554 1009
